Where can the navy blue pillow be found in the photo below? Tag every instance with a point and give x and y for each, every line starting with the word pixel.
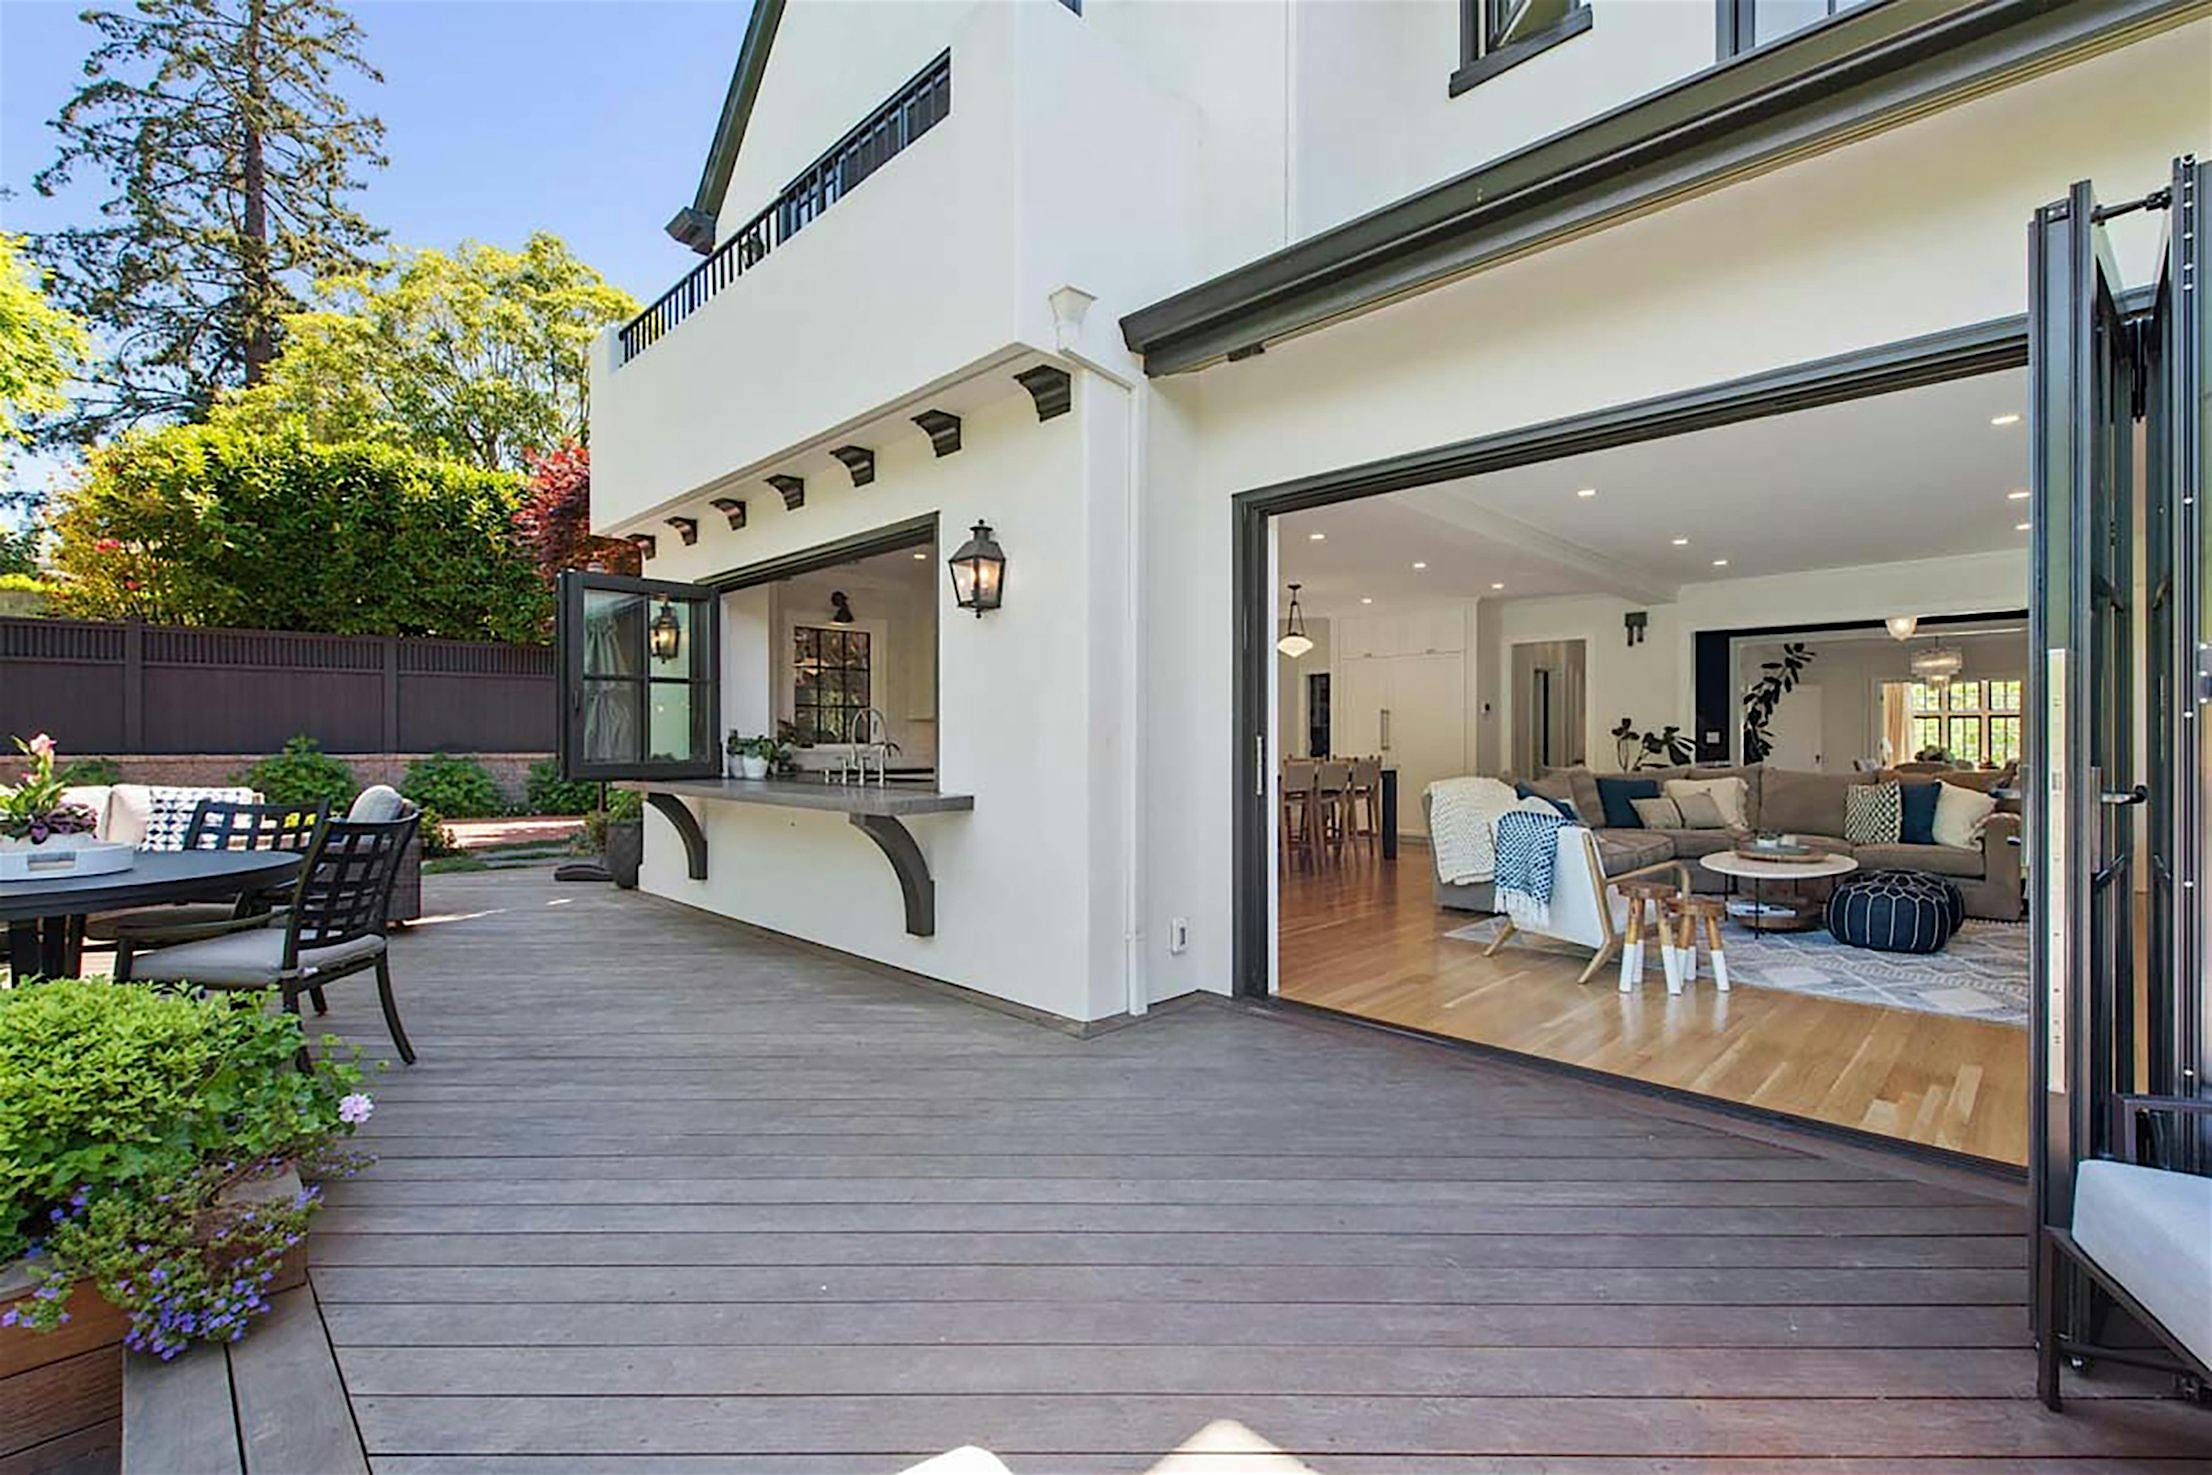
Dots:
pixel 1920 813
pixel 1566 810
pixel 1616 793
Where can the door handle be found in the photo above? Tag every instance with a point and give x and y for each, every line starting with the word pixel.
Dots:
pixel 2140 794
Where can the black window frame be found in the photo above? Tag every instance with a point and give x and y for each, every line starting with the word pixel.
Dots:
pixel 704 680
pixel 1480 60
pixel 844 666
pixel 1736 25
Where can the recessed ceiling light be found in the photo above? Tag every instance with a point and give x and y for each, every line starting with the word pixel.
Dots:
pixel 1420 565
pixel 2021 527
pixel 2017 494
pixel 1497 586
pixel 1681 542
pixel 1367 599
pixel 1720 563
pixel 921 556
pixel 1317 537
pixel 2004 419
pixel 1587 492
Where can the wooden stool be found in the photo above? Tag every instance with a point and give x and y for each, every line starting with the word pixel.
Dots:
pixel 1686 917
pixel 1644 897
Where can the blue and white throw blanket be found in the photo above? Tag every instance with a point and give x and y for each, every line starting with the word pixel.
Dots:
pixel 1528 847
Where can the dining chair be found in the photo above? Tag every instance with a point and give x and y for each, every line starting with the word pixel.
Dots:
pixel 1298 800
pixel 216 824
pixel 1332 807
pixel 1366 801
pixel 332 927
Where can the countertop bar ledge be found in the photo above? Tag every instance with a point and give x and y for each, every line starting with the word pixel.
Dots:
pixel 888 800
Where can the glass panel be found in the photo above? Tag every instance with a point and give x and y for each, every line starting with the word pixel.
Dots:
pixel 2004 739
pixel 1924 697
pixel 1966 739
pixel 1517 20
pixel 1966 696
pixel 1773 19
pixel 2004 696
pixel 671 724
pixel 678 661
pixel 613 731
pixel 614 633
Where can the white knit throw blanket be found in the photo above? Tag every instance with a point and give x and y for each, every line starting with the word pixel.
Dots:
pixel 1463 818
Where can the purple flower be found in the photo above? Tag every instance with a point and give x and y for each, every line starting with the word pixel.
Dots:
pixel 354 1109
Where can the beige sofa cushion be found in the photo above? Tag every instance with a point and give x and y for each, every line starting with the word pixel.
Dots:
pixel 1629 850
pixel 1690 844
pixel 1938 860
pixel 1791 802
pixel 1960 815
pixel 1582 788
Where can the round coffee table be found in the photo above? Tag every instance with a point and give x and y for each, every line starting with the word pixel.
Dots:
pixel 1795 914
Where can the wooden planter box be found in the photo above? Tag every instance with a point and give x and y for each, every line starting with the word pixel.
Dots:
pixel 61 1392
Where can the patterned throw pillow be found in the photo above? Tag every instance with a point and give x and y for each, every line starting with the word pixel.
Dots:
pixel 1873 814
pixel 169 813
pixel 1657 814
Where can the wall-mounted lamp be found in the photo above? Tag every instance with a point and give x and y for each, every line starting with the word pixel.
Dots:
pixel 841 608
pixel 665 636
pixel 978 572
pixel 1638 623
pixel 1295 641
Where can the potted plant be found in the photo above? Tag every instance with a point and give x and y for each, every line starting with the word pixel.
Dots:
pixel 621 837
pixel 751 755
pixel 40 831
pixel 152 1196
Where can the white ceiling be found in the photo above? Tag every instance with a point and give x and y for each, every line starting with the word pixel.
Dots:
pixel 1917 474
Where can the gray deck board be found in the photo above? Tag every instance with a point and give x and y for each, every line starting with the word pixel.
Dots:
pixel 292 1407
pixel 177 1416
pixel 667 1195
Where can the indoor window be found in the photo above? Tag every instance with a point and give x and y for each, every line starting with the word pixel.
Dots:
pixel 1497 34
pixel 830 682
pixel 1974 722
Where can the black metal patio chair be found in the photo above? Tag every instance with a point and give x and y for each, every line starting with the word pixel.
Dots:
pixel 331 927
pixel 216 824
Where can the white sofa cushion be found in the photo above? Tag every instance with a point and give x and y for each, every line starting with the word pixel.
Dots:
pixel 93 797
pixel 155 816
pixel 2151 1231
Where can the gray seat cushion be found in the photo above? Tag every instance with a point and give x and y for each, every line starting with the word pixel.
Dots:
pixel 1690 844
pixel 246 960
pixel 2151 1231
pixel 1629 850
pixel 1938 860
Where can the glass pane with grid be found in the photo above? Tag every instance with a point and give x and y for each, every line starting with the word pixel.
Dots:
pixel 831 682
pixel 2004 739
pixel 1927 733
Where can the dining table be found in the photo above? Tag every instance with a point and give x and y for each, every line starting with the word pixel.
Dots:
pixel 46 914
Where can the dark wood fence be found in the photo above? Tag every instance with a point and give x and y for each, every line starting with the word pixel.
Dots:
pixel 131 688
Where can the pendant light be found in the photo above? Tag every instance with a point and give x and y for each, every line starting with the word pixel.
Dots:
pixel 1295 641
pixel 1937 664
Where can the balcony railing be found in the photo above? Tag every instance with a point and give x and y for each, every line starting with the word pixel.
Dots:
pixel 909 113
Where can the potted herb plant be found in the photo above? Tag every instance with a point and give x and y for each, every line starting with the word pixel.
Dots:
pixel 751 755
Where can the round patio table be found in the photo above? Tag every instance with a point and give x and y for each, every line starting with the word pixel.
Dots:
pixel 45 916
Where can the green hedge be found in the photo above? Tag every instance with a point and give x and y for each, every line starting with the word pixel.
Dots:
pixel 456 787
pixel 549 793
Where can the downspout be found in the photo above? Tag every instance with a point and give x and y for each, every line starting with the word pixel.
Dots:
pixel 1069 305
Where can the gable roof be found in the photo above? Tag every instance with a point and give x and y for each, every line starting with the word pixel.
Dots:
pixel 694 224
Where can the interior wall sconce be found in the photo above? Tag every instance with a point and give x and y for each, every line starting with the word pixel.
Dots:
pixel 841 608
pixel 978 572
pixel 665 636
pixel 1638 623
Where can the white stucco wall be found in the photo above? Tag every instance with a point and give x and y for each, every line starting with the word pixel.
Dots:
pixel 1913 231
pixel 1015 879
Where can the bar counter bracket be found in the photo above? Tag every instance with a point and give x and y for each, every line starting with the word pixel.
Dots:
pixel 679 814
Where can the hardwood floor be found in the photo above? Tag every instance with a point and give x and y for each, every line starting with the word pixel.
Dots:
pixel 1368 939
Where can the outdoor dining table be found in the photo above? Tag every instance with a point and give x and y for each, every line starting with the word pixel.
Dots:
pixel 45 915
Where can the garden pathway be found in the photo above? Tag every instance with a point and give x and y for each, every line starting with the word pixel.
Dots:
pixel 665 1193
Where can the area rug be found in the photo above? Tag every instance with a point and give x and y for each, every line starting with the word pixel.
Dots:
pixel 1983 974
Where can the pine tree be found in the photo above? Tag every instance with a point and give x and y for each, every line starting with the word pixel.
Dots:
pixel 219 126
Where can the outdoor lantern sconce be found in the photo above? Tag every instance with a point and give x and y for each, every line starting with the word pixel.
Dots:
pixel 1295 641
pixel 665 637
pixel 978 572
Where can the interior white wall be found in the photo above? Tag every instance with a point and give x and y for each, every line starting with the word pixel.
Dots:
pixel 1641 682
pixel 1291 705
pixel 897 605
pixel 1849 674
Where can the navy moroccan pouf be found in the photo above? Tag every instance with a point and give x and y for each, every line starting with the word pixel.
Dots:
pixel 1895 911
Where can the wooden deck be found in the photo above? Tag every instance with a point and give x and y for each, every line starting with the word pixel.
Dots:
pixel 667 1194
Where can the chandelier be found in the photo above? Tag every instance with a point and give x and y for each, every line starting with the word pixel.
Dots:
pixel 1937 664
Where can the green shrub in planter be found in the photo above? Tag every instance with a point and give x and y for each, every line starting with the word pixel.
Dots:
pixel 457 787
pixel 437 835
pixel 125 1114
pixel 91 772
pixel 549 793
pixel 305 775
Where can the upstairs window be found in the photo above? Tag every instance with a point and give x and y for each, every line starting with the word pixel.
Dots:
pixel 1745 24
pixel 1496 34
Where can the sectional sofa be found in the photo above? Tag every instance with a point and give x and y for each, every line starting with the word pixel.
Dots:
pixel 1808 805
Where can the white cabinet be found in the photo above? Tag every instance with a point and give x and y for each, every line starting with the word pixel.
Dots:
pixel 1407 633
pixel 1411 709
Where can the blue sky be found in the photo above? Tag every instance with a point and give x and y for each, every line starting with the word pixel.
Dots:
pixel 588 118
